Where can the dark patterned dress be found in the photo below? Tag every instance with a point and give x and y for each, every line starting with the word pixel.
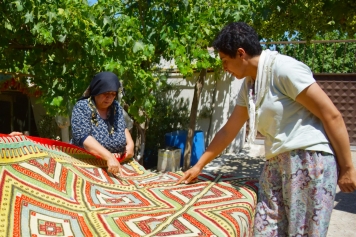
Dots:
pixel 87 121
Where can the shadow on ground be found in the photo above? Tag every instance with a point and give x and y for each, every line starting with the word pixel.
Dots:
pixel 346 202
pixel 240 165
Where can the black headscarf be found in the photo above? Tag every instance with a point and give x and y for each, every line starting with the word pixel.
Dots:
pixel 101 83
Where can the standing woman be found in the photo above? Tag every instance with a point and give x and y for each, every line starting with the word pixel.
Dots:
pixel 98 123
pixel 307 145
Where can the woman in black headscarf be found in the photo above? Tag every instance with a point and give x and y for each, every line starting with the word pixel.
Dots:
pixel 98 123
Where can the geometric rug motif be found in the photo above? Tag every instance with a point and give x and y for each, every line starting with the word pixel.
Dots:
pixel 50 188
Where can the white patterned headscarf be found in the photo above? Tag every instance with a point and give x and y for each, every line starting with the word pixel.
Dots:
pixel 261 86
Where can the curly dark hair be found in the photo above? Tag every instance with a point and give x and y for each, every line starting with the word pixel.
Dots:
pixel 237 35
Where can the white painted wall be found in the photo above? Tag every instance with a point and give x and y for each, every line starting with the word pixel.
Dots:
pixel 227 88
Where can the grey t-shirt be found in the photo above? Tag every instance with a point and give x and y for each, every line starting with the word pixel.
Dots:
pixel 286 124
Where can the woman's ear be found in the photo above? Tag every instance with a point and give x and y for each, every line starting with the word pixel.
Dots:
pixel 240 52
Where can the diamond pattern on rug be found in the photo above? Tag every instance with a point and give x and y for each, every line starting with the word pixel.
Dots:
pixel 50 188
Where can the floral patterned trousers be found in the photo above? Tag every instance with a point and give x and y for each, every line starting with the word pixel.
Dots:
pixel 296 195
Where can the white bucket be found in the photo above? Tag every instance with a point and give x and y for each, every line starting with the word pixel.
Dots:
pixel 168 160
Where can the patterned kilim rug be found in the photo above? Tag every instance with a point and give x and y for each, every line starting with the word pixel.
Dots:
pixel 50 188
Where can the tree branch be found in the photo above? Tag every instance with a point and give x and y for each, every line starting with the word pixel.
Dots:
pixel 142 18
pixel 16 45
pixel 16 74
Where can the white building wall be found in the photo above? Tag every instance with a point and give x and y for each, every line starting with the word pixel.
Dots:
pixel 225 89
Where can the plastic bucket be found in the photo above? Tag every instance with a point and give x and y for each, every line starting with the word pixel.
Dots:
pixel 178 139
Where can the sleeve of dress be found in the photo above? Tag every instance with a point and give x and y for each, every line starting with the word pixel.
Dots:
pixel 293 77
pixel 81 122
pixel 242 98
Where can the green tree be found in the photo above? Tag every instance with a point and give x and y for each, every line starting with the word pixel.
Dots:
pixel 59 45
pixel 327 55
pixel 199 24
pixel 183 31
pixel 42 44
pixel 272 18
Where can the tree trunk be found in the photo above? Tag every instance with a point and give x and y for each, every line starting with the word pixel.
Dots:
pixel 212 109
pixel 193 117
pixel 142 135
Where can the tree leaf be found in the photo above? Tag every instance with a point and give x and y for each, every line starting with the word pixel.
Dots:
pixel 186 3
pixel 51 16
pixel 8 26
pixel 207 31
pixel 106 20
pixel 28 17
pixel 36 28
pixel 138 46
pixel 57 101
pixel 18 5
pixel 60 11
pixel 62 38
pixel 236 16
pixel 331 23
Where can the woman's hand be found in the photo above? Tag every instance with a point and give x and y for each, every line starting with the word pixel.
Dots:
pixel 93 146
pixel 129 151
pixel 347 180
pixel 190 175
pixel 221 140
pixel 114 165
pixel 15 134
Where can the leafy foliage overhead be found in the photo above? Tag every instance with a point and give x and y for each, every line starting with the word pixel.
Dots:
pixel 183 30
pixel 330 53
pixel 272 18
pixel 59 45
pixel 43 40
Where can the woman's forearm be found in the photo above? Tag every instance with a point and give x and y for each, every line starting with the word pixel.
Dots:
pixel 130 146
pixel 93 146
pixel 337 133
pixel 225 135
pixel 129 141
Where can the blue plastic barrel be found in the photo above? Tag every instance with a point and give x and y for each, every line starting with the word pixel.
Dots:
pixel 179 138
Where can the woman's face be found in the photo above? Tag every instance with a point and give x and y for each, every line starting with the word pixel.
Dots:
pixel 236 66
pixel 104 100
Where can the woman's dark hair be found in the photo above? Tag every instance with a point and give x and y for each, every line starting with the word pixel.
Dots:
pixel 237 35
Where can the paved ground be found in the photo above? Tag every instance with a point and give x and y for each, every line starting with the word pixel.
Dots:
pixel 249 163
